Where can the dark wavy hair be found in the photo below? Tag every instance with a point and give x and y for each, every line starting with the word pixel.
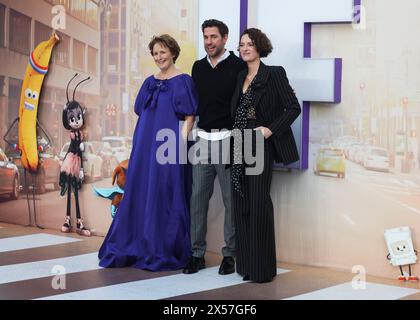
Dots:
pixel 167 41
pixel 261 42
pixel 221 26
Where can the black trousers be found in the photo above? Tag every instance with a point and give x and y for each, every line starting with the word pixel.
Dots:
pixel 254 222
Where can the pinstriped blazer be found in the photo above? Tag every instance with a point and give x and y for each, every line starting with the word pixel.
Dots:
pixel 276 107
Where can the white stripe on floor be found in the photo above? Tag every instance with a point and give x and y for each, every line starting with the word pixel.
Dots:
pixel 158 288
pixel 411 183
pixel 46 268
pixel 345 291
pixel 33 241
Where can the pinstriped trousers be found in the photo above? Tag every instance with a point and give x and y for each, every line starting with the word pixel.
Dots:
pixel 254 224
pixel 203 176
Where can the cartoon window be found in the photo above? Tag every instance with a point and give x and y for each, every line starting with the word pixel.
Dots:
pixel 114 18
pixel 2 12
pixel 64 3
pixel 15 86
pixel 92 60
pixel 79 55
pixel 92 14
pixel 42 32
pixel 61 54
pixel 2 86
pixel 19 32
pixel 78 9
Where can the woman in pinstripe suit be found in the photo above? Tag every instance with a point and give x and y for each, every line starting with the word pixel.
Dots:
pixel 265 103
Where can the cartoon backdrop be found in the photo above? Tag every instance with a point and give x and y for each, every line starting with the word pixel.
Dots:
pixel 363 159
pixel 107 40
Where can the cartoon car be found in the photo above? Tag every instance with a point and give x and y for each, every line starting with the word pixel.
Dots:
pixel 376 159
pixel 9 177
pixel 330 160
pixel 121 146
pixel 110 161
pixel 48 171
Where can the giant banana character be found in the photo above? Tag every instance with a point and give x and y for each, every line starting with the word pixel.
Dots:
pixel 29 100
pixel 28 109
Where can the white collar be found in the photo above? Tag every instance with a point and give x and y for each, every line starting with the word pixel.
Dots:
pixel 222 57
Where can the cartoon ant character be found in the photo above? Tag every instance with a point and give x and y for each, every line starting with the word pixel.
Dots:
pixel 401 251
pixel 71 172
pixel 117 192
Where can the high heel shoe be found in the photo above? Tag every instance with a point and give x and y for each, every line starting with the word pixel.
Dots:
pixel 66 227
pixel 81 229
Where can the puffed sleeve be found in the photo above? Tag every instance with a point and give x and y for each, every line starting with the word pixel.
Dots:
pixel 185 99
pixel 141 97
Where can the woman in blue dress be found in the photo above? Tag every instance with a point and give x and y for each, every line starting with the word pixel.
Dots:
pixel 151 229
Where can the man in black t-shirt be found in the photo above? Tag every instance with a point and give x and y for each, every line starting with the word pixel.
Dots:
pixel 215 78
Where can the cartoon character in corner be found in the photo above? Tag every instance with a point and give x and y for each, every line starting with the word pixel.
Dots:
pixel 116 193
pixel 71 172
pixel 401 251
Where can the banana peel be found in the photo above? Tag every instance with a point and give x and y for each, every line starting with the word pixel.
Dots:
pixel 31 90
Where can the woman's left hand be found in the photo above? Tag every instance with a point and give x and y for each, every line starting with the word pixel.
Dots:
pixel 265 132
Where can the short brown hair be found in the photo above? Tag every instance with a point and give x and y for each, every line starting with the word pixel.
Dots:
pixel 261 42
pixel 167 41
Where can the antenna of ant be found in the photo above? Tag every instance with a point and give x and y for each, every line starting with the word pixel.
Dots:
pixel 74 92
pixel 68 84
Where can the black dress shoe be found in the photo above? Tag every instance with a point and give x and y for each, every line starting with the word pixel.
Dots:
pixel 227 266
pixel 246 278
pixel 194 265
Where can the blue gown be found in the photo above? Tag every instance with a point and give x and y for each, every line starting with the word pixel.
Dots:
pixel 151 229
